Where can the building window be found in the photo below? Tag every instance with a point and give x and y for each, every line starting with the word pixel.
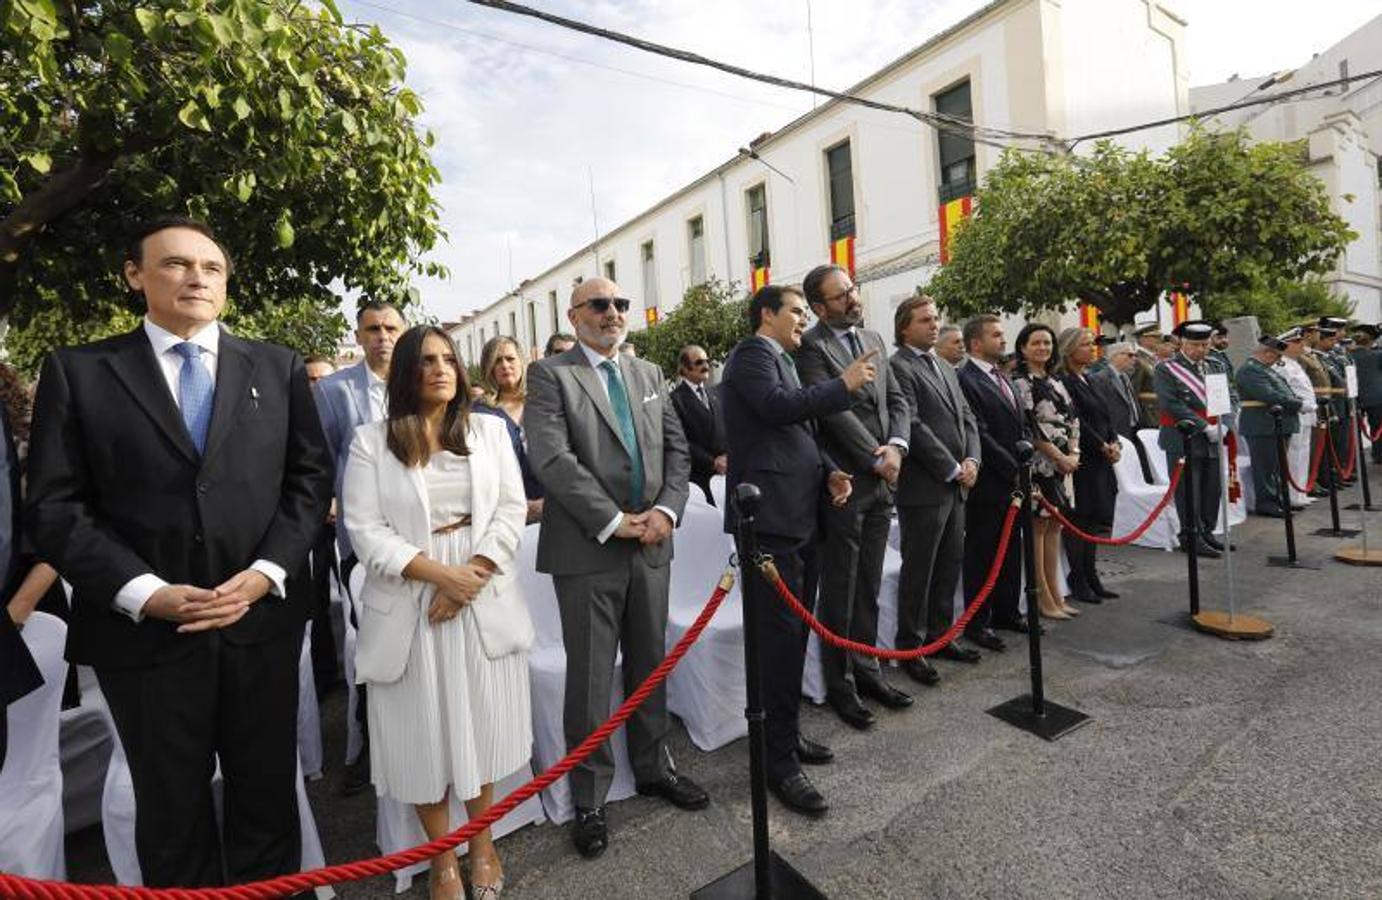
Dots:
pixel 482 336
pixel 756 198
pixel 532 323
pixel 552 303
pixel 649 275
pixel 840 167
pixel 695 241
pixel 957 159
pixel 609 270
pixel 513 325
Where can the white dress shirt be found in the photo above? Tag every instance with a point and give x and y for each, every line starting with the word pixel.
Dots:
pixel 841 335
pixel 595 360
pixel 378 395
pixel 131 598
pixel 698 390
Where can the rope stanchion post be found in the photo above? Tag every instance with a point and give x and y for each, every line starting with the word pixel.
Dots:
pixel 1330 475
pixel 1358 433
pixel 1033 712
pixel 767 876
pixel 1364 555
pixel 1283 465
pixel 1190 531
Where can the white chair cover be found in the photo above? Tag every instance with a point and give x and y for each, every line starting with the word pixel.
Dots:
pixel 1157 457
pixel 396 825
pixel 717 490
pixel 84 745
pixel 31 780
pixel 309 712
pixel 812 676
pixel 1137 499
pixel 547 673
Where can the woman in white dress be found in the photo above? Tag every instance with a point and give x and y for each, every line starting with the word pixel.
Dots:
pixel 1298 444
pixel 435 510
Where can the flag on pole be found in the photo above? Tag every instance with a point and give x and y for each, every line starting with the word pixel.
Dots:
pixel 758 277
pixel 842 253
pixel 951 215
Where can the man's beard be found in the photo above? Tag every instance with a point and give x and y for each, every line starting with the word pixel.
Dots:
pixel 599 338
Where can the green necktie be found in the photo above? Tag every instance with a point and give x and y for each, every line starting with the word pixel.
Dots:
pixel 619 400
pixel 792 367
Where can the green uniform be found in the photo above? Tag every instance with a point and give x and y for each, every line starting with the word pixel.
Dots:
pixel 1141 377
pixel 1259 383
pixel 1334 366
pixel 1176 402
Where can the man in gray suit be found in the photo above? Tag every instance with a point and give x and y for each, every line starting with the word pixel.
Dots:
pixel 869 441
pixel 605 441
pixel 346 400
pixel 936 477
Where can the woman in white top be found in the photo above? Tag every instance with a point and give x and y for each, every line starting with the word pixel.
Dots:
pixel 1298 444
pixel 435 509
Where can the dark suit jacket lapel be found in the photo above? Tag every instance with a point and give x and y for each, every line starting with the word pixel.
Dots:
pixel 934 377
pixel 134 365
pixel 234 380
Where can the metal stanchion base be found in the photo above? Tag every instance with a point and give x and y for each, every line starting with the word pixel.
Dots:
pixel 1357 556
pixel 1057 722
pixel 1340 533
pixel 1357 506
pixel 1233 628
pixel 788 884
pixel 1285 562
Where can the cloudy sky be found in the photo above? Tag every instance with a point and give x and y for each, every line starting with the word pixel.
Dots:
pixel 528 117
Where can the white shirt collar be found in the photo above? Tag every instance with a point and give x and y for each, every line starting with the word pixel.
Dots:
pixel 208 337
pixel 984 365
pixel 372 380
pixel 776 347
pixel 918 351
pixel 595 359
pixel 692 385
pixel 841 332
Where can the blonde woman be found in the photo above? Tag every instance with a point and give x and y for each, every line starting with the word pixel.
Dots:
pixel 435 510
pixel 504 383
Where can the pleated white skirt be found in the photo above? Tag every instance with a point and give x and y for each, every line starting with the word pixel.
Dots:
pixel 456 717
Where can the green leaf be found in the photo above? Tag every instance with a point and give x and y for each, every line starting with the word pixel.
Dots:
pixel 242 108
pixel 221 27
pixel 192 116
pixel 119 47
pixel 330 7
pixel 283 232
pixel 148 20
pixel 40 162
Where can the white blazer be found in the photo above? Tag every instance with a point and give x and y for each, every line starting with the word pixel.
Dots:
pixel 389 519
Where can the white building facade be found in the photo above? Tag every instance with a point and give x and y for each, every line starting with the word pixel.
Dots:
pixel 1342 131
pixel 867 187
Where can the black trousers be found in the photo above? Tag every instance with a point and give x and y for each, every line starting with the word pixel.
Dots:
pixel 933 550
pixel 1207 478
pixel 852 544
pixel 326 667
pixel 781 650
pixel 235 704
pixel 983 527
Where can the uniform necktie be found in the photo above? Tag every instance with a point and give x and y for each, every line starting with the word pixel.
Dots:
pixel 623 414
pixel 855 348
pixel 195 393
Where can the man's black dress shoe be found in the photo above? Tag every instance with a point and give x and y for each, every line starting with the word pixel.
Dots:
pixel 852 712
pixel 1105 593
pixel 1269 513
pixel 1019 625
pixel 810 753
pixel 1204 550
pixel 922 671
pixel 677 790
pixel 798 793
pixel 590 833
pixel 884 693
pixel 987 639
pixel 956 653
pixel 1090 598
pixel 1215 542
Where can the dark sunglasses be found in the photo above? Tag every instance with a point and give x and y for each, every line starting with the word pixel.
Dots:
pixel 700 363
pixel 602 304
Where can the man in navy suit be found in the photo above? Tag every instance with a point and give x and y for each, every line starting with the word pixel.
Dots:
pixel 770 423
pixel 999 416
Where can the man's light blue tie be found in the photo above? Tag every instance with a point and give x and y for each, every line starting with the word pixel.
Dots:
pixel 194 393
pixel 623 414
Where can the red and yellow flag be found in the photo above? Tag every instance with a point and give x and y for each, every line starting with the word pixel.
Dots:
pixel 758 277
pixel 951 214
pixel 651 316
pixel 842 254
pixel 1089 317
pixel 1180 308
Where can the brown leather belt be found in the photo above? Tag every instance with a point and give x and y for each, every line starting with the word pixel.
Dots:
pixel 462 522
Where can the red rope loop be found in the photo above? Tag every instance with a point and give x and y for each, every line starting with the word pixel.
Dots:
pixel 1310 482
pixel 1344 472
pixel 17 886
pixel 1375 436
pixel 1131 535
pixel 825 634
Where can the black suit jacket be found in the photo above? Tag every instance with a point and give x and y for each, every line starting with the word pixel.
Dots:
pixel 770 426
pixel 1123 410
pixel 704 428
pixel 1096 422
pixel 117 489
pixel 1001 426
pixel 943 434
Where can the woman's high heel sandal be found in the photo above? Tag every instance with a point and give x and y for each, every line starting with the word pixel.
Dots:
pixel 485 891
pixel 446 884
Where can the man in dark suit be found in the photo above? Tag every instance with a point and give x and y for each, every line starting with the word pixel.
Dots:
pixel 937 475
pixel 178 476
pixel 998 414
pixel 770 421
pixel 699 411
pixel 1113 384
pixel 869 440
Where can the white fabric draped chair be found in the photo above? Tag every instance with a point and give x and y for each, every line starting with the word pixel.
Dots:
pixel 84 744
pixel 309 712
pixel 1237 510
pixel 812 676
pixel 1137 499
pixel 547 673
pixel 31 817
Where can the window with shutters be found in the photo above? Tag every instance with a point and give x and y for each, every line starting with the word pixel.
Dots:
pixel 840 170
pixel 649 275
pixel 957 158
pixel 695 245
pixel 756 200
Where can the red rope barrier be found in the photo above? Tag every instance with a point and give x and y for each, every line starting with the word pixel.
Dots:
pixel 1375 436
pixel 17 886
pixel 1314 471
pixel 825 634
pixel 1345 472
pixel 1131 535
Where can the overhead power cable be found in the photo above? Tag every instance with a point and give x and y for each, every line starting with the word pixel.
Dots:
pixel 953 124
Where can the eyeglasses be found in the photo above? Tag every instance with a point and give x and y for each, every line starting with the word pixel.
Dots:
pixel 699 364
pixel 852 290
pixel 602 304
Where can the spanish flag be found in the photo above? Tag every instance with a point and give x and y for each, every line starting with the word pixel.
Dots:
pixel 1180 307
pixel 842 254
pixel 651 316
pixel 759 277
pixel 1089 317
pixel 951 214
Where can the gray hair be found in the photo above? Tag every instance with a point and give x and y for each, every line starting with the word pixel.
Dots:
pixel 1113 350
pixel 1066 342
pixel 947 330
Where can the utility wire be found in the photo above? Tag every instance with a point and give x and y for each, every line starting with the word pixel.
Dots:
pixel 940 121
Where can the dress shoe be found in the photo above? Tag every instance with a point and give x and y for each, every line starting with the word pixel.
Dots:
pixel 356 776
pixel 1104 593
pixel 1319 493
pixel 1269 513
pixel 798 793
pixel 590 834
pixel 1217 544
pixel 813 754
pixel 852 712
pixel 956 653
pixel 884 693
pixel 922 671
pixel 1091 598
pixel 1018 624
pixel 1204 550
pixel 677 790
pixel 810 753
pixel 986 638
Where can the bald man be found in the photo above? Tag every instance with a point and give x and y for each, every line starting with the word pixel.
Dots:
pixel 606 443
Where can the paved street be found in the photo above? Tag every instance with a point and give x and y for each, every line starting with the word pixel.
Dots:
pixel 1210 769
